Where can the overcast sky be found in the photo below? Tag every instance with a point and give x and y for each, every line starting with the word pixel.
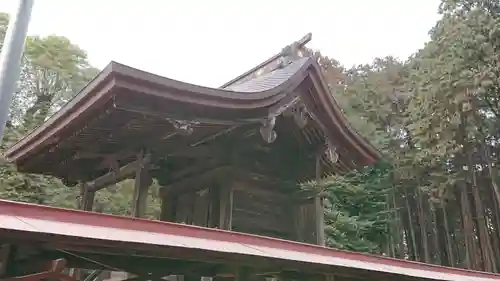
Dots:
pixel 210 42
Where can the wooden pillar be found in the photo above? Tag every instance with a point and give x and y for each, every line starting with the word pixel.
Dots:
pixel 87 197
pixel 141 185
pixel 214 209
pixel 168 206
pixel 319 207
pixel 143 181
pixel 242 274
pixel 7 253
pixel 225 207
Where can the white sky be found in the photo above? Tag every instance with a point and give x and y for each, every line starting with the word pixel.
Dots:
pixel 209 42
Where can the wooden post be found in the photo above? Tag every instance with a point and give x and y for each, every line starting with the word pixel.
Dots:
pixel 319 207
pixel 168 207
pixel 87 198
pixel 226 207
pixel 142 182
pixel 242 274
pixel 6 257
pixel 214 209
pixel 141 185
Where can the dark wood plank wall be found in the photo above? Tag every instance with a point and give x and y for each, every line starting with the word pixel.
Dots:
pixel 261 211
pixel 242 206
pixel 305 222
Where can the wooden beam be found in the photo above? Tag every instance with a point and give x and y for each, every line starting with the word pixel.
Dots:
pixel 185 180
pixel 123 173
pixel 191 172
pixel 207 177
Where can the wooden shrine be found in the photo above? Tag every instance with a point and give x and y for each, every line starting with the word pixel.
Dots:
pixel 228 158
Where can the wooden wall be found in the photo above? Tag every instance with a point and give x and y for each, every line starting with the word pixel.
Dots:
pixel 243 205
pixel 193 208
pixel 261 211
pixel 305 222
pixel 232 205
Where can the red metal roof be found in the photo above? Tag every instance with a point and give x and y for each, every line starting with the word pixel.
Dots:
pixel 69 228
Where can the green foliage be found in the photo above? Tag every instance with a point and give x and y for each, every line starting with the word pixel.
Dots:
pixel 356 209
pixel 117 200
pixel 53 71
pixel 435 117
pixel 4 20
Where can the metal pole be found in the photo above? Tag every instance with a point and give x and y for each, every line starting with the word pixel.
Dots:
pixel 10 58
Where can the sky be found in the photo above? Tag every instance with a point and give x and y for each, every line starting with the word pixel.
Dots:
pixel 210 42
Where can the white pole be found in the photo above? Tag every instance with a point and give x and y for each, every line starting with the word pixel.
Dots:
pixel 10 58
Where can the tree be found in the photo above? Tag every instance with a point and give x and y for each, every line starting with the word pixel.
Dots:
pixel 53 71
pixel 356 211
pixel 4 22
pixel 436 117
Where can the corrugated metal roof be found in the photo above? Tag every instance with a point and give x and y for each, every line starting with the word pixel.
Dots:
pixel 269 80
pixel 71 227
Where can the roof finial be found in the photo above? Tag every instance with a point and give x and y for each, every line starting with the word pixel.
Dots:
pixel 293 51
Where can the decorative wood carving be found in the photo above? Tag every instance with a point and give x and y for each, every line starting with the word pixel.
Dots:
pixel 331 152
pixel 267 130
pixel 291 52
pixel 183 127
pixel 298 112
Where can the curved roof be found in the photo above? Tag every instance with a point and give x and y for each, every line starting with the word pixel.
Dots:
pixel 123 103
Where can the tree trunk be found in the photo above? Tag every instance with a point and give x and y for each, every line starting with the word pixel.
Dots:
pixel 389 229
pixel 468 227
pixel 423 228
pixel 486 154
pixel 495 221
pixel 484 238
pixel 449 247
pixel 437 256
pixel 398 227
pixel 413 240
